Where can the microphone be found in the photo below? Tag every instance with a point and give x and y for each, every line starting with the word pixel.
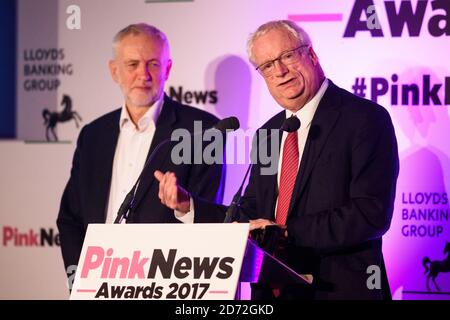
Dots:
pixel 231 123
pixel 291 124
pixel 127 206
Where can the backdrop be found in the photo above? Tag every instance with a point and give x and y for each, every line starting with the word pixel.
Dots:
pixel 393 52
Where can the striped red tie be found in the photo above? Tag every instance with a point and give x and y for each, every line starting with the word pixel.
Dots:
pixel 289 168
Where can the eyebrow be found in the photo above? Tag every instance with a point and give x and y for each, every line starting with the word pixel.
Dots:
pixel 137 60
pixel 279 55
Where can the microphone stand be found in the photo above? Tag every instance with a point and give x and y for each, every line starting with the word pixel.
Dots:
pixel 289 125
pixel 231 211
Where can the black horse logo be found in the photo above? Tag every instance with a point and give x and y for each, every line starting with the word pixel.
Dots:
pixel 433 268
pixel 51 118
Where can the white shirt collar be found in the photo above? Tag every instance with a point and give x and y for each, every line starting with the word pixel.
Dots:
pixel 306 114
pixel 151 115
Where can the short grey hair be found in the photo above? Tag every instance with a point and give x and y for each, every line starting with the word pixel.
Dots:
pixel 290 26
pixel 137 29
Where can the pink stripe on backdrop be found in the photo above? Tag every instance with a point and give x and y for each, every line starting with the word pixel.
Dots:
pixel 218 291
pixel 86 290
pixel 319 17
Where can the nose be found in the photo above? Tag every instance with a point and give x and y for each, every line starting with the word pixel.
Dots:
pixel 144 72
pixel 280 68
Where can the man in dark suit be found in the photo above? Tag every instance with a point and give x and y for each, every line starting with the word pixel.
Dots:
pixel 111 151
pixel 334 190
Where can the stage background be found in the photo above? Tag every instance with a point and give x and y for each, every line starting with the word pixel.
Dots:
pixel 211 71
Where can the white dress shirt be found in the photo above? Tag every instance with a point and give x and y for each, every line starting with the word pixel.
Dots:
pixel 305 115
pixel 131 152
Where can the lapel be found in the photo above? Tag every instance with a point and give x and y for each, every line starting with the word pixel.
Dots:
pixel 323 122
pixel 105 150
pixel 164 128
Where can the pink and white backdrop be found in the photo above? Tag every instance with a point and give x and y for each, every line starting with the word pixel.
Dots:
pixel 395 53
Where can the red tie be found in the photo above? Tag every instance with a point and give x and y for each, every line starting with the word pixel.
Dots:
pixel 289 168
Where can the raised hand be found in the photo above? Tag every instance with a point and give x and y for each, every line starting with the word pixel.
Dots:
pixel 170 193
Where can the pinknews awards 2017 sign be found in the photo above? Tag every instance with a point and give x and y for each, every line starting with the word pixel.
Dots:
pixel 161 261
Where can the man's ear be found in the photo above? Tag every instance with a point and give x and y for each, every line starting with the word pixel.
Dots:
pixel 312 54
pixel 112 64
pixel 168 68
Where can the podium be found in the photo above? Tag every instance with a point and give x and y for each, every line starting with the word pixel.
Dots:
pixel 173 262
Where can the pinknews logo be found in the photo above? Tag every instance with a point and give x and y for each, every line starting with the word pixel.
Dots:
pixel 169 265
pixel 136 266
pixel 13 237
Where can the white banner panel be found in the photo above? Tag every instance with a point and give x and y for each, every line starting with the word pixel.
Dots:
pixel 160 261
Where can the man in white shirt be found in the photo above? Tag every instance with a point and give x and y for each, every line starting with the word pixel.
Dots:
pixel 334 190
pixel 111 150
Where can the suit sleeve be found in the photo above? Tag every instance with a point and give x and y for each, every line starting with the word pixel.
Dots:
pixel 206 182
pixel 367 215
pixel 69 221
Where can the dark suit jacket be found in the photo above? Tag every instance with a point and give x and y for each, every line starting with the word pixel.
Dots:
pixel 343 197
pixel 86 195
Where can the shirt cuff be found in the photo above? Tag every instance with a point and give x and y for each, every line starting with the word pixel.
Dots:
pixel 189 216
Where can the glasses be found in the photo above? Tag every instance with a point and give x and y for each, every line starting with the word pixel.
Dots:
pixel 286 58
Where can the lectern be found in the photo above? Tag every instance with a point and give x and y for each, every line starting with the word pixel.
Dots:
pixel 173 261
pixel 259 266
